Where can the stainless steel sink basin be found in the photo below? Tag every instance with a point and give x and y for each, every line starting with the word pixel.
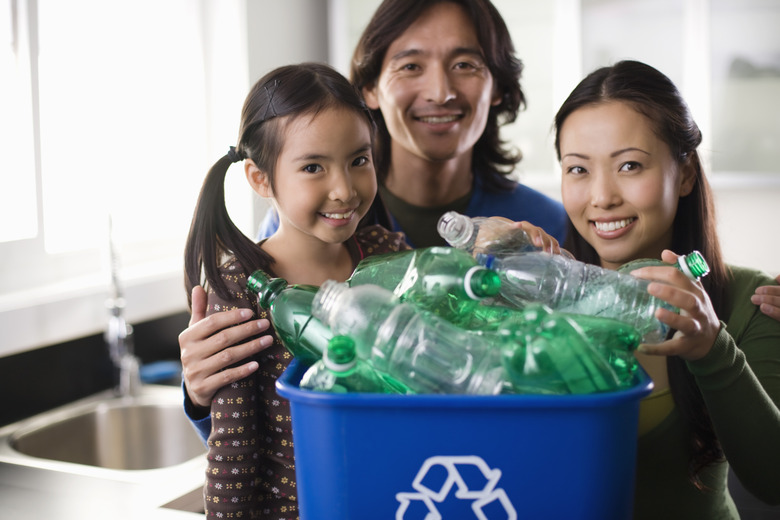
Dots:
pixel 146 432
pixel 115 435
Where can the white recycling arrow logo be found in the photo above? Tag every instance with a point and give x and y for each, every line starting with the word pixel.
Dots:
pixel 484 495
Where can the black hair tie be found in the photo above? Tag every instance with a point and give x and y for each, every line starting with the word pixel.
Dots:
pixel 233 155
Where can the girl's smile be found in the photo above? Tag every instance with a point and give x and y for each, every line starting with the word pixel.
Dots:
pixel 336 219
pixel 325 179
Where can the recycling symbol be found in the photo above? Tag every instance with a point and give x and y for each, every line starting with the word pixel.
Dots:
pixel 479 487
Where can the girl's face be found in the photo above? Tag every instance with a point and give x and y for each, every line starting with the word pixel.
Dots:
pixel 324 180
pixel 435 89
pixel 620 184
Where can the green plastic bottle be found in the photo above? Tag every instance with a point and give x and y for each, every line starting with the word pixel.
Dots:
pixel 533 351
pixel 304 336
pixel 421 350
pixel 614 340
pixel 447 282
pixel 546 352
pixel 385 270
pixel 341 371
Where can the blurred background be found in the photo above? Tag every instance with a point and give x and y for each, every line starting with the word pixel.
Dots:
pixel 116 110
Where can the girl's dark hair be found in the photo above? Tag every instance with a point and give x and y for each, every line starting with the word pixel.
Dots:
pixel 278 98
pixel 653 95
pixel 391 19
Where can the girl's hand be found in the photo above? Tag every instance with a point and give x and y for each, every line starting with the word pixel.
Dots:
pixel 697 325
pixel 538 236
pixel 767 297
pixel 210 344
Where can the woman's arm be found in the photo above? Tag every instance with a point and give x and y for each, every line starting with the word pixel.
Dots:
pixel 737 370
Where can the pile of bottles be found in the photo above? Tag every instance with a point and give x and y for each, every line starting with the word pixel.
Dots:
pixel 492 314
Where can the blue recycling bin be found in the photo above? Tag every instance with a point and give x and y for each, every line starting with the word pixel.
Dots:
pixel 371 456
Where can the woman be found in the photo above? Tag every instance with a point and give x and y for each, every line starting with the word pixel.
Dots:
pixel 633 187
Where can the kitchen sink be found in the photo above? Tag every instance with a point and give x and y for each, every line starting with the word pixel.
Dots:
pixel 144 432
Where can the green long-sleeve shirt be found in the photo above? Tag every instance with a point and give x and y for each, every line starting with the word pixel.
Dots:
pixel 740 381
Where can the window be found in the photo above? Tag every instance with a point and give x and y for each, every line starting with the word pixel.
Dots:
pixel 108 111
pixel 17 188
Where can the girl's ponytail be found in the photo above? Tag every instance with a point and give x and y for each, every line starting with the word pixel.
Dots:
pixel 213 235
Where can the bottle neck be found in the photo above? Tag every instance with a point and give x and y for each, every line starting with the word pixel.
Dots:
pixel 266 289
pixel 456 229
pixel 341 355
pixel 325 299
pixel 693 265
pixel 480 283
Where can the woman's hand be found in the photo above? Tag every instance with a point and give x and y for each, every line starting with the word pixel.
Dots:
pixel 767 297
pixel 210 344
pixel 538 236
pixel 697 325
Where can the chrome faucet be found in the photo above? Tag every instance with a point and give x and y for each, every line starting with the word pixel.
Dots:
pixel 119 334
pixel 119 337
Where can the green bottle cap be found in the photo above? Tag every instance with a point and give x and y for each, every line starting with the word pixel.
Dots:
pixel 694 265
pixel 266 288
pixel 341 354
pixel 481 283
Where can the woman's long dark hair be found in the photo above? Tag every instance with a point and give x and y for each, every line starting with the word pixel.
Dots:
pixel 273 102
pixel 653 95
pixel 391 19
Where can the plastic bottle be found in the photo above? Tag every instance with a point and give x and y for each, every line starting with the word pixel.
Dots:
pixel 341 371
pixel 385 270
pixel 483 235
pixel 423 351
pixel 693 265
pixel 571 286
pixel 290 310
pixel 447 282
pixel 615 341
pixel 546 352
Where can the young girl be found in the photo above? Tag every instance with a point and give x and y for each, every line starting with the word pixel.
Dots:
pixel 633 187
pixel 306 142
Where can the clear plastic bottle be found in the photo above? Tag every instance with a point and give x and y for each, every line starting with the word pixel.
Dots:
pixel 290 309
pixel 483 235
pixel 693 265
pixel 426 353
pixel 576 287
pixel 341 371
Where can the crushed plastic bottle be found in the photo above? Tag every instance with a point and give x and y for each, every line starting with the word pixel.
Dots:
pixel 341 371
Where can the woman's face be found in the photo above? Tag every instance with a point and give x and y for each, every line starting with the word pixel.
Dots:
pixel 620 184
pixel 435 89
